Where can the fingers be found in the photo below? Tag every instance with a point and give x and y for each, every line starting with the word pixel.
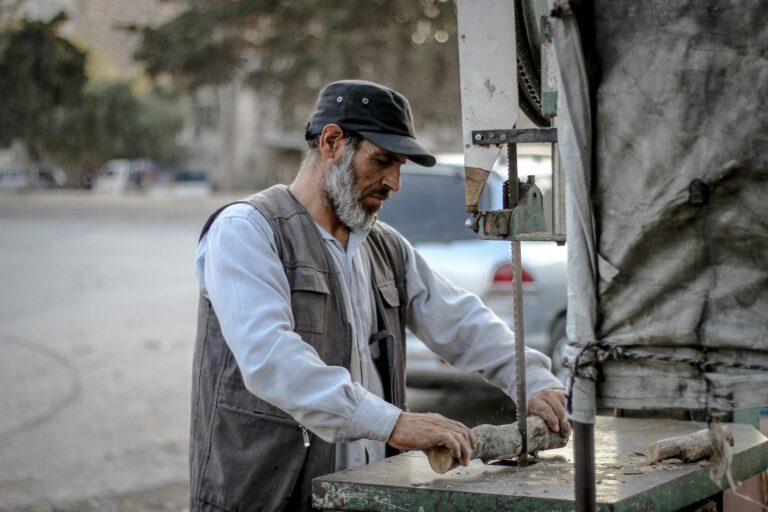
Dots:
pixel 416 431
pixel 465 432
pixel 465 447
pixel 560 411
pixel 459 439
pixel 565 425
pixel 540 407
pixel 550 405
pixel 556 402
pixel 451 442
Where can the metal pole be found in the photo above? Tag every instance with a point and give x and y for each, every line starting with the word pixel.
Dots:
pixel 517 305
pixel 584 466
pixel 558 194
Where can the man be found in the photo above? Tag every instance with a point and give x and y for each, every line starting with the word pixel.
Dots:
pixel 305 296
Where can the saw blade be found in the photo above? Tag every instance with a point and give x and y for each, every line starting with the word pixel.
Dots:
pixel 517 310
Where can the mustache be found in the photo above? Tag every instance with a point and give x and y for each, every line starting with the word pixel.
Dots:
pixel 381 192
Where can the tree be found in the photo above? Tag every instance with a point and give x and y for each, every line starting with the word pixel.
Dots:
pixel 288 49
pixel 9 10
pixel 111 122
pixel 39 71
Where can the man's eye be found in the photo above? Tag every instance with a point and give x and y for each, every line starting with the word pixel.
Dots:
pixel 382 161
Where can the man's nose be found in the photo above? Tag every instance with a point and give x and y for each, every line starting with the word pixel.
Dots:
pixel 391 177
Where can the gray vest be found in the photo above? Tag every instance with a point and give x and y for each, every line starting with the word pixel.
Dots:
pixel 245 454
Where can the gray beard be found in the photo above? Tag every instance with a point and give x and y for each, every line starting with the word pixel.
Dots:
pixel 339 187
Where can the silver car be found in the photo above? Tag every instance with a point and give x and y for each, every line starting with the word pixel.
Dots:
pixel 429 212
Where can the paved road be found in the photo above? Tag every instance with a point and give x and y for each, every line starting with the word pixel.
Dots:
pixel 97 314
pixel 97 321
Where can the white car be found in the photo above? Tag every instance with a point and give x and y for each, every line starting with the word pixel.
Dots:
pixel 14 178
pixel 37 175
pixel 429 211
pixel 120 176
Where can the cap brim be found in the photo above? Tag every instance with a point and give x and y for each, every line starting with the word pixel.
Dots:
pixel 401 145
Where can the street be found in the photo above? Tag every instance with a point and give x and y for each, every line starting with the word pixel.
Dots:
pixel 97 325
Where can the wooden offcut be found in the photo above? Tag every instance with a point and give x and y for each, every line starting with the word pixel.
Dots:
pixel 496 442
pixel 687 448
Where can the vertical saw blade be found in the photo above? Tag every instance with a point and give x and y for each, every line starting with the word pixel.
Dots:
pixel 489 101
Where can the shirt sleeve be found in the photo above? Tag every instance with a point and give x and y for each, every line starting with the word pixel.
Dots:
pixel 457 326
pixel 240 272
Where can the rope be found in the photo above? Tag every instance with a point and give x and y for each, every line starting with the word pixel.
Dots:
pixel 587 365
pixel 598 351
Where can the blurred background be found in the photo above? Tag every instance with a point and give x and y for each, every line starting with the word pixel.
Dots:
pixel 123 125
pixel 214 88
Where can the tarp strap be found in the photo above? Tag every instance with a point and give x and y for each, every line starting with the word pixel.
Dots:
pixel 593 353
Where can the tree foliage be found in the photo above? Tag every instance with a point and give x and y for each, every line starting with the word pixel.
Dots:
pixel 111 122
pixel 9 11
pixel 288 49
pixel 39 71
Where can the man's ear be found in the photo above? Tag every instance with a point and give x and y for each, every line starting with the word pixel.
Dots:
pixel 331 141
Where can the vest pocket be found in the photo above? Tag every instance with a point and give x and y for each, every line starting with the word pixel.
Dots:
pixel 389 294
pixel 310 297
pixel 255 460
pixel 392 346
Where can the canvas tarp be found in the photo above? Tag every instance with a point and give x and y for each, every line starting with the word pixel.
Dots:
pixel 667 196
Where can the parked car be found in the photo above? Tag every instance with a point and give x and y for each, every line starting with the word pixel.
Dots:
pixel 47 175
pixel 429 211
pixel 179 181
pixel 120 175
pixel 37 175
pixel 14 177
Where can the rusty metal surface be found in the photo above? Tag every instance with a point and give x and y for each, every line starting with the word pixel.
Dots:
pixel 514 136
pixel 474 181
pixel 624 480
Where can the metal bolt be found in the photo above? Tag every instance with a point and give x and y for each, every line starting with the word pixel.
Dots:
pixel 338 100
pixel 490 135
pixel 503 136
pixel 365 101
pixel 478 136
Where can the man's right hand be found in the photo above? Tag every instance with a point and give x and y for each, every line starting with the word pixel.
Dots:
pixel 422 431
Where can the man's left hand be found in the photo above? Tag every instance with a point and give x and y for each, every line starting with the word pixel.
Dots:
pixel 550 405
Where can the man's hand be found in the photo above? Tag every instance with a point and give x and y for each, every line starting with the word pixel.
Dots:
pixel 422 431
pixel 550 405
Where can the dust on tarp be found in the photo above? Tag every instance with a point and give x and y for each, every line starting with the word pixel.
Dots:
pixel 668 181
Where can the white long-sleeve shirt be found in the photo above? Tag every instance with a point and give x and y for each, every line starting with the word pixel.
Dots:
pixel 240 272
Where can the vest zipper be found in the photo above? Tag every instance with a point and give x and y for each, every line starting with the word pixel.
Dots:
pixel 272 418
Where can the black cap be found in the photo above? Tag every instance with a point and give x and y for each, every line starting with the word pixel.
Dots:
pixel 376 113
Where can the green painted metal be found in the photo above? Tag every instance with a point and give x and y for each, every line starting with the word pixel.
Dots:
pixel 340 496
pixel 549 104
pixel 625 482
pixel 540 237
pixel 747 416
pixel 524 222
pixel 677 494
pixel 528 216
pixel 548 91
